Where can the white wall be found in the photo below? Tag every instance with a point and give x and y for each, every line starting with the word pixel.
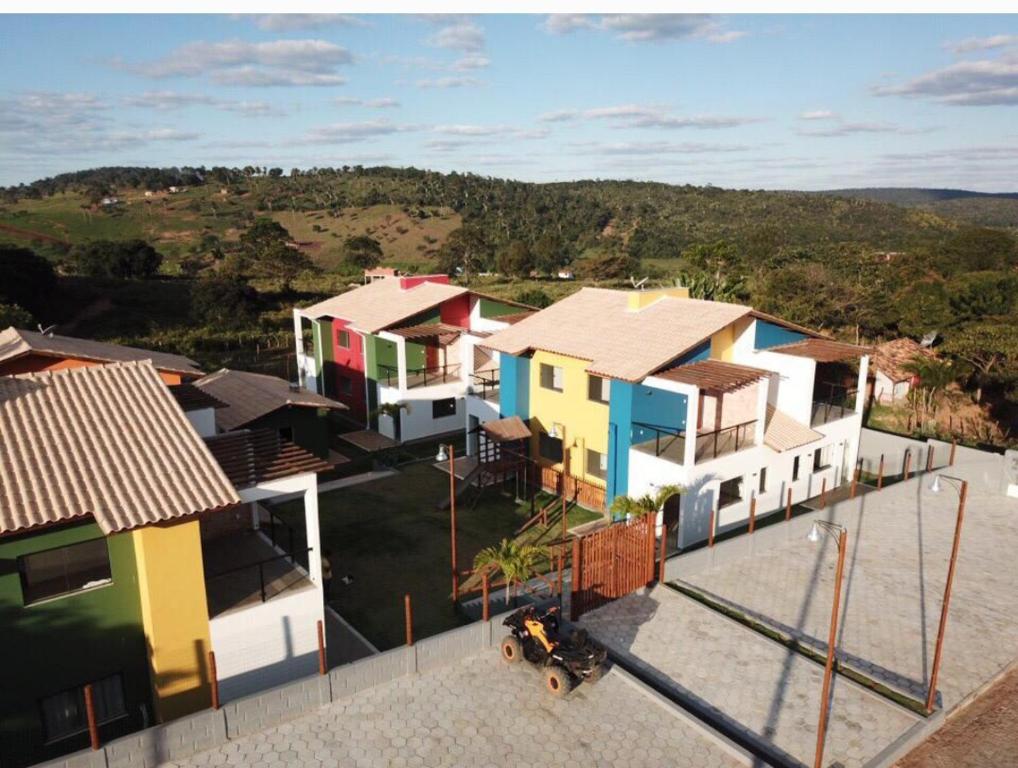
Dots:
pixel 416 419
pixel 307 369
pixel 791 390
pixel 267 644
pixel 478 323
pixel 203 420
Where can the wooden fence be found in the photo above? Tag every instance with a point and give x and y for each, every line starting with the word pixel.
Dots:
pixel 583 493
pixel 611 563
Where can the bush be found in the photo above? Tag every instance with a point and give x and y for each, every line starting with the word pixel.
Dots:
pixel 12 314
pixel 534 297
pixel 223 302
pixel 26 279
pixel 120 259
pixel 362 251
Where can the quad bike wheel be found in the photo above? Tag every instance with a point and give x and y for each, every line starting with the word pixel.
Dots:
pixel 557 681
pixel 595 674
pixel 511 649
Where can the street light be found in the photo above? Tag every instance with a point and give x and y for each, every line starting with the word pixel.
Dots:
pixel 449 453
pixel 817 531
pixel 962 487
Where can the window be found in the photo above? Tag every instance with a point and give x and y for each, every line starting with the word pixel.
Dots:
pixel 598 389
pixel 345 385
pixel 343 339
pixel 64 713
pixel 730 492
pixel 550 447
pixel 597 464
pixel 795 468
pixel 64 570
pixel 821 459
pixel 551 377
pixel 444 407
pixel 763 480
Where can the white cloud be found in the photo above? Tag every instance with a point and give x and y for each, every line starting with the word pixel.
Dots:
pixel 646 116
pixel 170 101
pixel 289 22
pixel 449 82
pixel 507 131
pixel 818 114
pixel 342 133
pixel 381 103
pixel 646 27
pixel 470 62
pixel 239 62
pixel 653 148
pixel 966 83
pixel 462 35
pixel 970 44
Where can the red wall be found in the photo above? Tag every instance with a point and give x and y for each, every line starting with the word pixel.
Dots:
pixel 349 362
pixel 34 363
pixel 457 311
pixel 410 282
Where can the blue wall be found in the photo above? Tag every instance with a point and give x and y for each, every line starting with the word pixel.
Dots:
pixel 514 386
pixel 631 403
pixel 770 335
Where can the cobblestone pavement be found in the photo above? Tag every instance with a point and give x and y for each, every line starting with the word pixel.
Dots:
pixel 896 566
pixel 480 712
pixel 760 687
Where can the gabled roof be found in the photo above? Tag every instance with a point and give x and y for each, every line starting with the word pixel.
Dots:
pixel 783 433
pixel 377 305
pixel 507 430
pixel 106 440
pixel 248 396
pixel 15 343
pixel 598 325
pixel 255 456
pixel 190 398
pixel 891 357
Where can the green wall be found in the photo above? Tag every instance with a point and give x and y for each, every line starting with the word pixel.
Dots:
pixel 310 430
pixel 324 357
pixel 67 641
pixel 491 308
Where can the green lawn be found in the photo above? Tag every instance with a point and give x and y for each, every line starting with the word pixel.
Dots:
pixel 392 538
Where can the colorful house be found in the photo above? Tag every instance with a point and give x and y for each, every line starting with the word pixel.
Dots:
pixel 255 401
pixel 129 550
pixel 399 351
pixel 30 352
pixel 626 391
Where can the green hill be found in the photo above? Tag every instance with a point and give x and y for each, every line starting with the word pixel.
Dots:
pixel 980 208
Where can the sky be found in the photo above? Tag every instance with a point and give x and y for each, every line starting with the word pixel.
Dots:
pixel 758 102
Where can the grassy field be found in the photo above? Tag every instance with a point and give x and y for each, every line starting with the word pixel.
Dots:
pixel 391 536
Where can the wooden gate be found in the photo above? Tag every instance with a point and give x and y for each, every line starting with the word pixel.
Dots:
pixel 611 563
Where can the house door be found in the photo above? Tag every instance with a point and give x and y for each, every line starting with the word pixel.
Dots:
pixel 671 521
pixel 473 436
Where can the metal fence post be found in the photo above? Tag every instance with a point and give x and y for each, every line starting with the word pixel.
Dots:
pixel 409 617
pixel 93 728
pixel 485 608
pixel 214 679
pixel 323 665
pixel 788 506
pixel 880 474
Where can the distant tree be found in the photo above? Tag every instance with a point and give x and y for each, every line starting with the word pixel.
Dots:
pixel 275 173
pixel 614 265
pixel 26 279
pixel 763 243
pixel 933 376
pixel 464 251
pixel 515 259
pixel 116 258
pixel 923 307
pixel 284 261
pixel 550 253
pixel 714 287
pixel 362 251
pixel 12 314
pixel 717 257
pixel 981 294
pixel 228 303
pixel 534 297
pixel 978 249
pixel 990 347
pixel 263 233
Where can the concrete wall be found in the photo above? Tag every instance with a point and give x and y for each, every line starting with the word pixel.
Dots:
pixel 192 734
pixel 982 467
pixel 416 418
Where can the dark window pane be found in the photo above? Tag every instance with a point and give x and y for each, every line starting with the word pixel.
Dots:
pixel 442 408
pixel 597 389
pixel 550 447
pixel 64 569
pixel 63 714
pixel 343 339
pixel 763 480
pixel 597 464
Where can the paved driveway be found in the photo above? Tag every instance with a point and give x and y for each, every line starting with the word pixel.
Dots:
pixel 756 685
pixel 482 713
pixel 899 545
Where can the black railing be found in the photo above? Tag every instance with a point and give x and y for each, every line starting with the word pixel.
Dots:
pixel 261 566
pixel 421 377
pixel 838 403
pixel 671 443
pixel 485 384
pixel 282 535
pixel 665 438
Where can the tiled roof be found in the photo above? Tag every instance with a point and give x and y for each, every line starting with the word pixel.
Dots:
pixel 106 440
pixel 249 396
pixel 597 324
pixel 783 433
pixel 823 350
pixel 714 375
pixel 190 398
pixel 891 357
pixel 254 456
pixel 16 343
pixel 377 305
pixel 507 430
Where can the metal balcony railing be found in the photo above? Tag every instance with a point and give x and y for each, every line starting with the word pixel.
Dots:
pixel 485 384
pixel 421 377
pixel 670 444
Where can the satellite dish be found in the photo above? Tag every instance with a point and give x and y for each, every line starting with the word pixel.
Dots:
pixel 929 339
pixel 46 331
pixel 637 285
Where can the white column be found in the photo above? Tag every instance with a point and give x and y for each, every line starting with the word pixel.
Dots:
pixel 401 362
pixel 763 387
pixel 255 525
pixel 313 537
pixel 692 417
pixel 860 395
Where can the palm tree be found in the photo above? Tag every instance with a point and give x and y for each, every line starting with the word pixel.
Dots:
pixel 934 377
pixel 517 562
pixel 626 506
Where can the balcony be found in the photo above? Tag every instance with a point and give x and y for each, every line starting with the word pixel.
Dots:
pixel 837 403
pixel 485 385
pixel 671 444
pixel 421 377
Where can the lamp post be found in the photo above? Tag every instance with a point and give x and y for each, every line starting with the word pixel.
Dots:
pixel 449 452
pixel 816 533
pixel 962 487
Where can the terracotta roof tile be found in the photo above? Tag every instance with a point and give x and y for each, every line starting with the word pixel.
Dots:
pixel 714 375
pixel 783 433
pixel 891 357
pixel 254 456
pixel 377 305
pixel 822 350
pixel 108 441
pixel 191 398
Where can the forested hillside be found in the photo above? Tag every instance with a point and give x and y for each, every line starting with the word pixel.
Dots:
pixel 981 208
pixel 237 247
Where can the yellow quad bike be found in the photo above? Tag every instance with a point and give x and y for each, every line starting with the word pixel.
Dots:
pixel 567 660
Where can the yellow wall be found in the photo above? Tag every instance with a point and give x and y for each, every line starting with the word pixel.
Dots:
pixel 722 344
pixel 175 614
pixel 585 422
pixel 640 299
